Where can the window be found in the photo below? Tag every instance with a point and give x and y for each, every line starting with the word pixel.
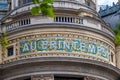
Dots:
pixel 10 51
pixel 112 57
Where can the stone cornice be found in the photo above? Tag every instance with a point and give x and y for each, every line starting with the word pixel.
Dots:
pixel 61 59
pixel 57 63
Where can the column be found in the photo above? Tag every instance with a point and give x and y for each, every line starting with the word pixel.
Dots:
pixel 42 77
pixel 14 4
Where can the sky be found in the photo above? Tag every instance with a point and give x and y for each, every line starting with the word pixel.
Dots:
pixel 105 2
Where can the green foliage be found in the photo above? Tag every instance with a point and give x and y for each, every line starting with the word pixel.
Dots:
pixel 3 39
pixel 43 7
pixel 36 1
pixel 46 10
pixel 35 10
pixel 117 39
pixel 4 42
pixel 48 1
pixel 117 34
pixel 3 32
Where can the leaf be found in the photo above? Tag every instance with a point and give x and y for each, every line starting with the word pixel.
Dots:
pixel 4 42
pixel 117 34
pixel 50 12
pixel 118 26
pixel 48 1
pixel 35 1
pixel 47 10
pixel 117 39
pixel 115 31
pixel 35 10
pixel 4 32
pixel 43 8
pixel 3 39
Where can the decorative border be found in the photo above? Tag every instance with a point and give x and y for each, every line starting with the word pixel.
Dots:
pixel 53 34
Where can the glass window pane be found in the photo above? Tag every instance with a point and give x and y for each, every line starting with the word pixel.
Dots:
pixel 10 51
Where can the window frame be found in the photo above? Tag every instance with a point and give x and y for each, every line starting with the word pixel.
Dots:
pixel 8 51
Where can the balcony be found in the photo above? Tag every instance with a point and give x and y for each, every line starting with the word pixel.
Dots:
pixel 59 19
pixel 41 20
pixel 16 24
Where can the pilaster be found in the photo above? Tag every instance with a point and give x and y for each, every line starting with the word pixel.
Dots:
pixel 118 56
pixel 14 4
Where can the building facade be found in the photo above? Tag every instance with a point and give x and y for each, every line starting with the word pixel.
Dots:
pixel 75 45
pixel 111 14
pixel 3 8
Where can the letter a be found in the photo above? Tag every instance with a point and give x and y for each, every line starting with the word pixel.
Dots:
pixel 26 48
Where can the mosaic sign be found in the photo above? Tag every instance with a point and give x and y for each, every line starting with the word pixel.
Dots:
pixel 59 44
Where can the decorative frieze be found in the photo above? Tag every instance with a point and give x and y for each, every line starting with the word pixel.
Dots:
pixel 68 45
pixel 63 44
